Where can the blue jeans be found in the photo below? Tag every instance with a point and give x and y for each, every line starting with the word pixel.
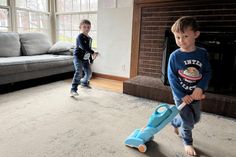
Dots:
pixel 80 65
pixel 186 119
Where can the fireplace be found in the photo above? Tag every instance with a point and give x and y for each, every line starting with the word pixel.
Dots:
pixel 221 47
pixel 151 19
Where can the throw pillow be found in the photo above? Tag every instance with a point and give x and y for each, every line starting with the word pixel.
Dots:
pixel 61 46
pixel 9 44
pixel 34 43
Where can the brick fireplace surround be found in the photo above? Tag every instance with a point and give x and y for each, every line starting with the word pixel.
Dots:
pixel 150 20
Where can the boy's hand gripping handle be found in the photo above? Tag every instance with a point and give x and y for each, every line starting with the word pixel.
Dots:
pixel 183 104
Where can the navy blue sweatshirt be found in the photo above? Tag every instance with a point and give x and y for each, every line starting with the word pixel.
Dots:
pixel 188 70
pixel 83 47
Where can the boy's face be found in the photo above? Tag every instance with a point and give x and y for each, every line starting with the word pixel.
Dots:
pixel 85 28
pixel 186 40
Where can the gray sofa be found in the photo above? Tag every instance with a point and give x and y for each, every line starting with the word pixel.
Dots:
pixel 31 55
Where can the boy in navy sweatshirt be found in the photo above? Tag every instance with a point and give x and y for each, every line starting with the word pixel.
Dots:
pixel 188 73
pixel 82 55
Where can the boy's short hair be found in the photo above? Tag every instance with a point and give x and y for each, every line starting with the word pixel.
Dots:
pixel 85 21
pixel 183 23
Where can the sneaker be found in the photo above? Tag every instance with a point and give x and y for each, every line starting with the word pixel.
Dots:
pixel 73 93
pixel 86 86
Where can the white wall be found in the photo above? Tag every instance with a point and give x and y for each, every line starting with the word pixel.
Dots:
pixel 114 37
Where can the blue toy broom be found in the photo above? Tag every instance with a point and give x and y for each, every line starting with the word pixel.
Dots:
pixel 158 120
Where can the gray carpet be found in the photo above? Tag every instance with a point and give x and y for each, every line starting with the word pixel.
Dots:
pixel 44 121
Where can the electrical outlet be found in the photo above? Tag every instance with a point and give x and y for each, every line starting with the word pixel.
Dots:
pixel 123 67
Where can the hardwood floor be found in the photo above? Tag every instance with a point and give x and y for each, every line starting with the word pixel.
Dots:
pixel 113 85
pixel 103 83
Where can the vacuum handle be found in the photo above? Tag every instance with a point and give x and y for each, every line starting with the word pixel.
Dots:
pixel 183 104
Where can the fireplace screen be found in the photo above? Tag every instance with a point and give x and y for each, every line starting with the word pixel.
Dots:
pixel 221 47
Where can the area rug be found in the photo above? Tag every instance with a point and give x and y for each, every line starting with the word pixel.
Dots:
pixel 44 121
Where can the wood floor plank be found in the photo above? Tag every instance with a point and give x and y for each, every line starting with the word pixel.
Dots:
pixel 113 85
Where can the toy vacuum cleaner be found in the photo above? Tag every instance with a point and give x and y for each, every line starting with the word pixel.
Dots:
pixel 158 120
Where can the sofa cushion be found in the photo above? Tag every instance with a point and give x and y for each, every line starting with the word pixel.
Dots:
pixel 9 44
pixel 12 65
pixel 34 43
pixel 61 46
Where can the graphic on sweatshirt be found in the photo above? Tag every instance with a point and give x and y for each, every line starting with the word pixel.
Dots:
pixel 190 76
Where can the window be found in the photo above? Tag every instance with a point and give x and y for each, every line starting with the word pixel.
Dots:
pixel 32 16
pixel 34 5
pixel 4 16
pixel 3 2
pixel 70 13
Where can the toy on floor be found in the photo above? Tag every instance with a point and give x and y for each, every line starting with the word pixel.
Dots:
pixel 158 120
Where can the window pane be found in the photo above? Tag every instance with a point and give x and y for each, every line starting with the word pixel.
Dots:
pixel 3 2
pixel 93 20
pixel 22 20
pixel 43 22
pixel 61 35
pixel 38 5
pixel 93 5
pixel 60 5
pixel 76 5
pixel 68 36
pixel 43 5
pixel 34 20
pixel 84 5
pixel 4 18
pixel 60 22
pixel 32 4
pixel 68 23
pixel 68 5
pixel 83 16
pixel 21 3
pixel 74 36
pixel 76 22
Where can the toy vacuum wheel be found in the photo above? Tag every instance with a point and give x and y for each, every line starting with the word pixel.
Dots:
pixel 142 148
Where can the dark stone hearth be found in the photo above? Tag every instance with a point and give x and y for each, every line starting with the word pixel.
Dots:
pixel 153 88
pixel 148 87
